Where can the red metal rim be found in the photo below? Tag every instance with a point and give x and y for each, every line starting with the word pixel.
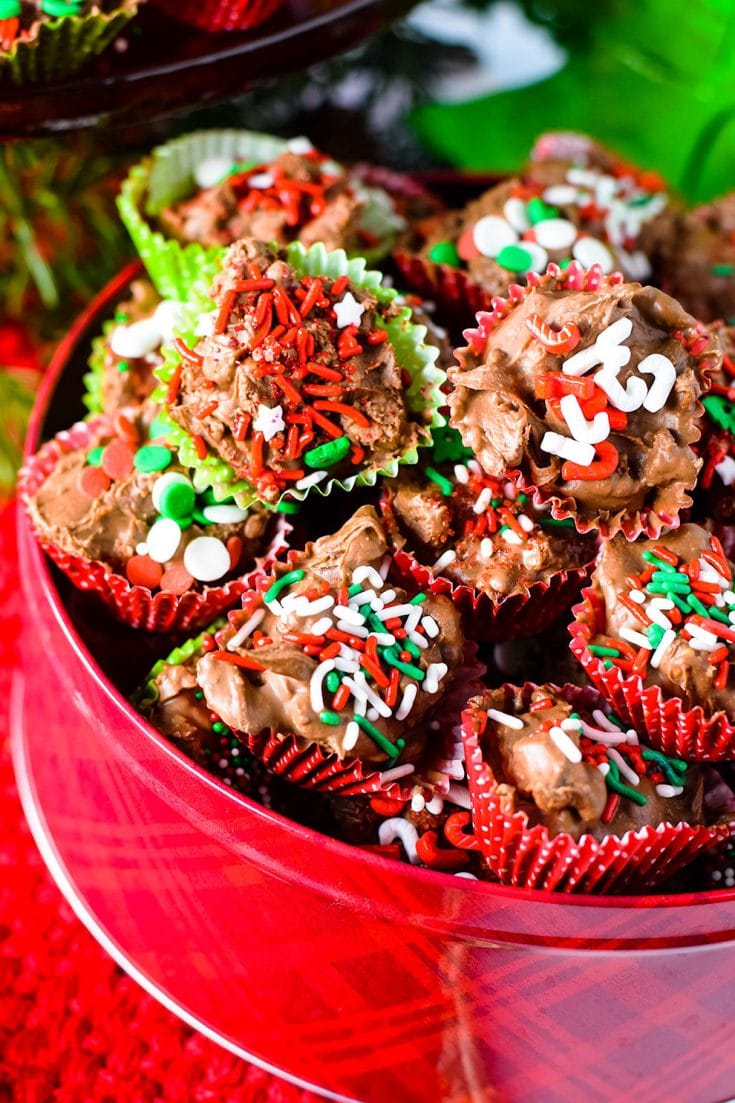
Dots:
pixel 109 294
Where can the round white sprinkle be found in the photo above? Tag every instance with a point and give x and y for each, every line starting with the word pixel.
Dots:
pixel 539 257
pixel 589 251
pixel 559 195
pixel 142 548
pixel 515 212
pixel 228 514
pixel 165 480
pixel 163 539
pixel 136 340
pixel 212 171
pixel 555 233
pixel 206 558
pixel 492 233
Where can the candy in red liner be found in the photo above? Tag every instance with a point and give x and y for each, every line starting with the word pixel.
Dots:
pixel 589 387
pixel 221 15
pixel 137 605
pixel 667 723
pixel 456 531
pixel 457 297
pixel 532 856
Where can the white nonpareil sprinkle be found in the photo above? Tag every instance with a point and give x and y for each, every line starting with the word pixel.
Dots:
pixel 445 560
pixel 349 311
pixel 567 746
pixel 245 631
pixel 164 537
pixel 206 558
pixel 212 171
pixel 399 830
pixel 269 421
pixel 505 719
pixel 409 696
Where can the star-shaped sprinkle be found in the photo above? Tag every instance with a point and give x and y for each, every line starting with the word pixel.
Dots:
pixel 348 311
pixel 269 421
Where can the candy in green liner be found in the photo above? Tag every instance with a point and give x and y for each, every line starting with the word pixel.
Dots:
pixel 54 40
pixel 183 203
pixel 301 374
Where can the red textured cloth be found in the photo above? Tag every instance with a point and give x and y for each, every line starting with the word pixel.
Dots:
pixel 73 1027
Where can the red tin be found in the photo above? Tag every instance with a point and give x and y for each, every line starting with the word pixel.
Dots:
pixel 365 978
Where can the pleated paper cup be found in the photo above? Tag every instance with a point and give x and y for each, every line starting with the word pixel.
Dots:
pixel 667 724
pixel 529 857
pixel 138 606
pixel 221 15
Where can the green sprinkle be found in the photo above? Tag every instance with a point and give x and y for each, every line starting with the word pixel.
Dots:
pixel 410 646
pixel 717 614
pixel 680 603
pixel 444 484
pixel 392 749
pixel 9 9
pixel 502 529
pixel 331 718
pixel 152 457
pixel 523 498
pixel 333 681
pixel 721 411
pixel 59 8
pixel 283 583
pixel 612 779
pixel 697 605
pixel 538 211
pixel 514 258
pixel 177 500
pixel 554 523
pixel 184 522
pixel 671 583
pixel 327 455
pixel 654 634
pixel 121 316
pixel 94 458
pixel 414 672
pixel 158 429
pixel 563 264
pixel 722 269
pixel 598 649
pixel 665 576
pixel 123 366
pixel 199 696
pixel 608 664
pixel 219 727
pixel 284 506
pixel 199 517
pixel 495 502
pixel 660 563
pixel 418 599
pixel 354 590
pixel 671 767
pixel 444 252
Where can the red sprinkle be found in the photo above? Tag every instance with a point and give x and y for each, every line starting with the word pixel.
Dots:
pixel 93 481
pixel 243 661
pixel 176 579
pixel 346 411
pixel 200 446
pixel 234 547
pixel 141 570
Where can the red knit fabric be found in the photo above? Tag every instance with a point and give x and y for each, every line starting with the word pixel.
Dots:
pixel 73 1027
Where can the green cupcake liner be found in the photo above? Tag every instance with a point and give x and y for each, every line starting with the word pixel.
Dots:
pixel 58 47
pixel 167 177
pixel 423 396
pixel 147 694
pixel 93 379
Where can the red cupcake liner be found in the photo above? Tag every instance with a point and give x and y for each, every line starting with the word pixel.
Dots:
pixel 310 766
pixel 697 340
pixel 528 857
pixel 408 193
pixel 220 15
pixel 458 298
pixel 668 725
pixel 137 606
pixel 525 613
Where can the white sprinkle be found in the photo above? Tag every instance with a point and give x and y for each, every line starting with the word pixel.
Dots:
pixel 260 180
pixel 560 195
pixel 607 350
pixel 666 641
pixel 163 481
pixel 319 627
pixel 726 470
pixel 366 573
pixel 246 630
pixel 729 597
pixel 445 560
pixel 164 537
pixel 364 598
pixel 510 536
pixel 395 611
pixel 587 432
pixel 311 480
pixel 385 566
pixel 604 721
pixel 664 378
pixel 372 715
pixel 359 681
pixel 318 605
pixel 397 772
pixel 637 596
pixel 353 629
pixel 435 806
pixel 430 626
pixel 566 745
pixel 466 875
pixel 636 638
pixel 349 311
pixel 515 213
pixel 539 257
pixel 525 522
pixel 228 514
pixel 571 724
pixel 205 324
pixel 212 171
pixel 567 449
pixel 434 674
pixel 142 548
pixel 351 736
pixel 483 500
pixel 350 615
pixel 492 233
pixel 386 597
pixel 315 685
pixel 397 829
pixel 486 549
pixel 670 791
pixel 409 696
pixel 462 474
pixel 604 768
pixel 630 775
pixel 299 145
pixel 206 558
pixel 346 664
pixel 418 801
pixel 601 735
pixel 418 640
pixel 555 233
pixel 589 251
pixel 505 719
pixel 269 421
